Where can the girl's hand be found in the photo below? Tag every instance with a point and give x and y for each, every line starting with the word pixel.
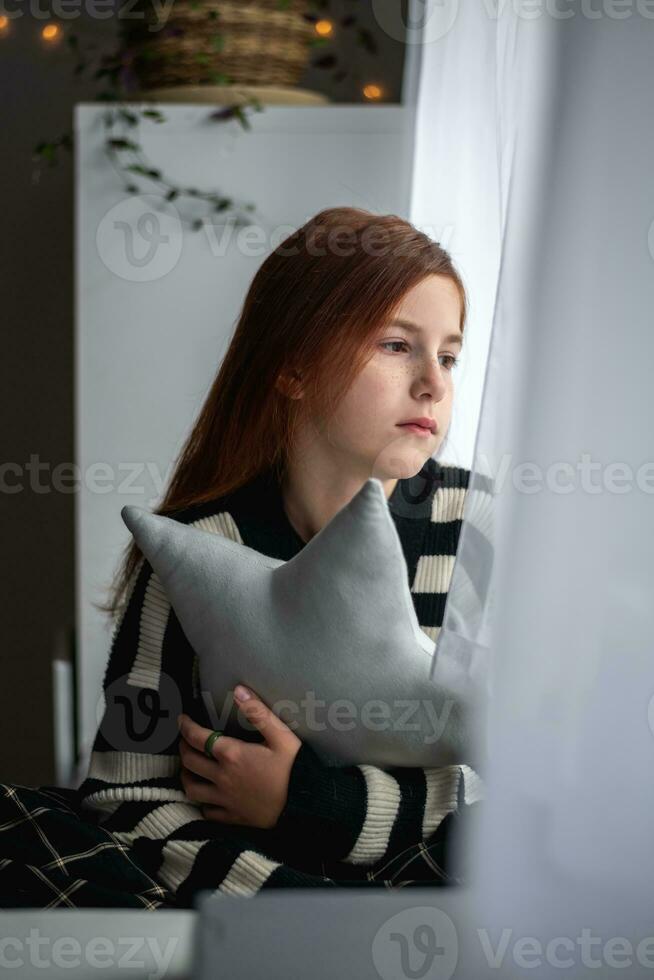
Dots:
pixel 246 782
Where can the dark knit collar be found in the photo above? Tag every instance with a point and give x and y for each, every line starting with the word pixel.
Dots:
pixel 258 511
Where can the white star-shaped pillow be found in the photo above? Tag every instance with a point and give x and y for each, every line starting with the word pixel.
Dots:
pixel 329 640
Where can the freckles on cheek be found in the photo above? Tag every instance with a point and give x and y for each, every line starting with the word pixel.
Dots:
pixel 389 376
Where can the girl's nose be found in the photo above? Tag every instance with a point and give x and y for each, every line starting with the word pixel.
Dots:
pixel 430 378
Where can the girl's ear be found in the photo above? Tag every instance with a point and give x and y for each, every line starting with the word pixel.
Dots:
pixel 290 384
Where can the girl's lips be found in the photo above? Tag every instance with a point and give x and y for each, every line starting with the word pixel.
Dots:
pixel 419 430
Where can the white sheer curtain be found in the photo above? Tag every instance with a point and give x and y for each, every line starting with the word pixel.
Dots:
pixel 535 147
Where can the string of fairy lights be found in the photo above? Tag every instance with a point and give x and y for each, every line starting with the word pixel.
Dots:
pixel 370 91
pixel 52 34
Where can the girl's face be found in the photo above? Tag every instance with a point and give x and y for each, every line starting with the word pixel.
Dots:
pixel 410 375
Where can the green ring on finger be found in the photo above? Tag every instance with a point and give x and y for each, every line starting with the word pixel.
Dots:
pixel 208 745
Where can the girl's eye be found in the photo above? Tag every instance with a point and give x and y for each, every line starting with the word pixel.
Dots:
pixel 391 343
pixel 452 361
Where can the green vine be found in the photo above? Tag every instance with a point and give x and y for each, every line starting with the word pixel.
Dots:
pixel 127 157
pixel 122 121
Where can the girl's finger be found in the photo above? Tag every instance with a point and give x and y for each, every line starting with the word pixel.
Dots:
pixel 198 762
pixel 199 791
pixel 197 735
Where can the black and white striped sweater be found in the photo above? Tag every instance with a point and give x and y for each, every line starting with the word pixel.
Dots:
pixel 355 825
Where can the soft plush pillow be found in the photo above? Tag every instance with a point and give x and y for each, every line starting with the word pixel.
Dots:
pixel 329 640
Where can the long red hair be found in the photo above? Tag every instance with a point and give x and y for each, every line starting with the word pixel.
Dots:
pixel 315 306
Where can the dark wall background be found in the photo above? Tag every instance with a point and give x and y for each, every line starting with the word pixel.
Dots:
pixel 37 603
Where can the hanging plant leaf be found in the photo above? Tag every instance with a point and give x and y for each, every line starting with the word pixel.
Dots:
pixel 217 42
pixel 219 79
pixel 128 117
pixel 220 115
pixel 327 61
pixel 318 42
pixel 366 40
pixel 137 168
pixel 239 114
pixel 153 114
pixel 46 151
pixel 110 72
pixel 120 143
pixel 172 194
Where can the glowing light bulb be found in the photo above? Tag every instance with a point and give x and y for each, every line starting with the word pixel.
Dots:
pixel 50 32
pixel 324 28
pixel 372 92
pixel 4 24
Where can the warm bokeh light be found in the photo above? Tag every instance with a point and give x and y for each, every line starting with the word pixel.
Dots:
pixel 50 32
pixel 4 24
pixel 324 28
pixel 372 92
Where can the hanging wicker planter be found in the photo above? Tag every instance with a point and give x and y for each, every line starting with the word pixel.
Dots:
pixel 209 42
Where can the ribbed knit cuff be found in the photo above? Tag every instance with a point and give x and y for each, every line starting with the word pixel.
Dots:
pixel 324 811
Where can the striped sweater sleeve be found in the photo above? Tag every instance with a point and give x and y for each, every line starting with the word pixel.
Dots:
pixel 133 785
pixel 362 814
pixel 133 782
